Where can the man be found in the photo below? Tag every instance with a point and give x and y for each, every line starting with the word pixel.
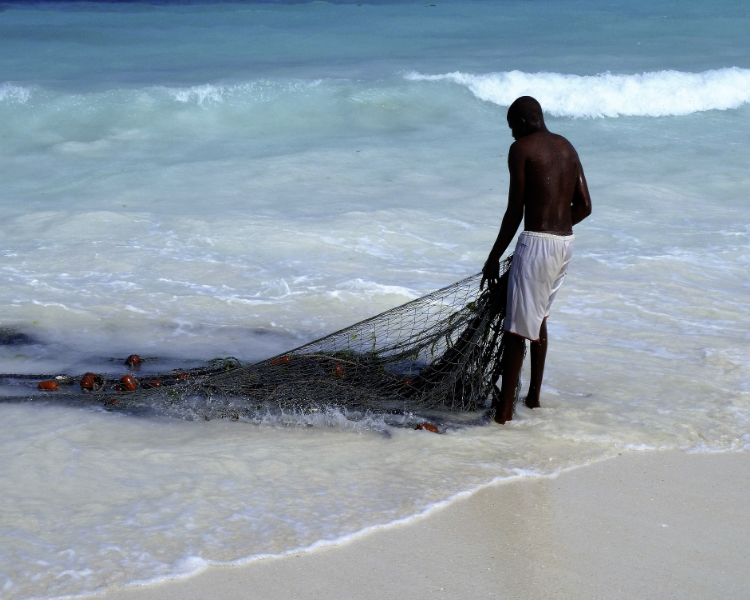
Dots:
pixel 548 191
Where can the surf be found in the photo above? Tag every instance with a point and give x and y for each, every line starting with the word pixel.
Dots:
pixel 649 94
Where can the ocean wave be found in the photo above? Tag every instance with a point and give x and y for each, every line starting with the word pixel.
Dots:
pixel 14 93
pixel 653 94
pixel 260 91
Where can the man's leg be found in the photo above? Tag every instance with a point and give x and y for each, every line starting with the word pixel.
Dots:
pixel 538 355
pixel 512 362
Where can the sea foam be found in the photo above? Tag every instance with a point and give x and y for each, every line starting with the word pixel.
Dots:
pixel 253 91
pixel 14 93
pixel 654 94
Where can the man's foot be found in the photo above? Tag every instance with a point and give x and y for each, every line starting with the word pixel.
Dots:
pixel 532 400
pixel 503 416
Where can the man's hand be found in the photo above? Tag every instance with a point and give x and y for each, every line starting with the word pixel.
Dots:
pixel 490 272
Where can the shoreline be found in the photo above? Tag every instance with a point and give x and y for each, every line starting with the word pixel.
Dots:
pixel 657 524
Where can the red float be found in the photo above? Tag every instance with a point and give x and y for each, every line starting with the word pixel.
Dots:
pixel 48 386
pixel 129 383
pixel 88 381
pixel 133 360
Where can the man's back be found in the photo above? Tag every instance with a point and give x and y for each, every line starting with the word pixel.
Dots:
pixel 549 169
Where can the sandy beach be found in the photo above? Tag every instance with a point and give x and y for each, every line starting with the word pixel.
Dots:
pixel 652 524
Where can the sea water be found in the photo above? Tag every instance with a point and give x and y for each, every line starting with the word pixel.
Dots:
pixel 186 181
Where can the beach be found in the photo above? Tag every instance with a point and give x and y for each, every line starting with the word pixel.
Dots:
pixel 200 180
pixel 641 525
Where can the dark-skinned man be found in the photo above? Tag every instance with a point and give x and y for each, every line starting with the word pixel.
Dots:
pixel 548 192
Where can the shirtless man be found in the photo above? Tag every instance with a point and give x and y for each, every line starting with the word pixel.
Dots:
pixel 548 191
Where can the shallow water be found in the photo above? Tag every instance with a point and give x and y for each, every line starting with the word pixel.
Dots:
pixel 195 181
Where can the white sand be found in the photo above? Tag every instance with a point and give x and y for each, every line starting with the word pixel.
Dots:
pixel 645 525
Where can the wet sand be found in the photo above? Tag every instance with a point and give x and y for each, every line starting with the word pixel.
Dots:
pixel 656 525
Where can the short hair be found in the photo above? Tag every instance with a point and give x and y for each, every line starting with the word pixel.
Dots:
pixel 528 109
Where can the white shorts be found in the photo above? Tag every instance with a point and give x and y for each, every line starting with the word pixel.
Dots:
pixel 539 265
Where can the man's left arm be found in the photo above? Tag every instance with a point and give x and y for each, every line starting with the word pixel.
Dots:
pixel 580 207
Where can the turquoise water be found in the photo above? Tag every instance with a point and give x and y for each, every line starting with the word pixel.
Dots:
pixel 199 180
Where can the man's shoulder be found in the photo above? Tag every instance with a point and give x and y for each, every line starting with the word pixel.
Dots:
pixel 541 146
pixel 539 138
pixel 562 141
pixel 522 147
pixel 543 143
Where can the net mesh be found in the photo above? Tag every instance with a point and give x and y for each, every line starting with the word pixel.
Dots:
pixel 442 352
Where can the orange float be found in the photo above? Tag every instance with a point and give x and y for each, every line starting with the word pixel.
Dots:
pixel 88 381
pixel 129 383
pixel 281 360
pixel 183 376
pixel 48 386
pixel 428 427
pixel 133 360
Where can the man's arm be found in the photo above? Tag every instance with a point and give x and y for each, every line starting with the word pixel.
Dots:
pixel 513 215
pixel 580 207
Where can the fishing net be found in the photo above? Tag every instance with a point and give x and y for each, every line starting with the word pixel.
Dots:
pixel 441 353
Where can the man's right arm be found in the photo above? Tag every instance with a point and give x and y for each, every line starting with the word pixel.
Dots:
pixel 513 214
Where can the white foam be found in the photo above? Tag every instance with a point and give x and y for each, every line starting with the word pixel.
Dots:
pixel 199 93
pixel 135 309
pixel 186 567
pixel 371 288
pixel 14 93
pixel 258 91
pixel 653 94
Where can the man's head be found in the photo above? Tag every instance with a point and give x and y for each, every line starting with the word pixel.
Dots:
pixel 525 117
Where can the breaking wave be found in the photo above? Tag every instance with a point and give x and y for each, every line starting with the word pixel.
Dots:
pixel 654 94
